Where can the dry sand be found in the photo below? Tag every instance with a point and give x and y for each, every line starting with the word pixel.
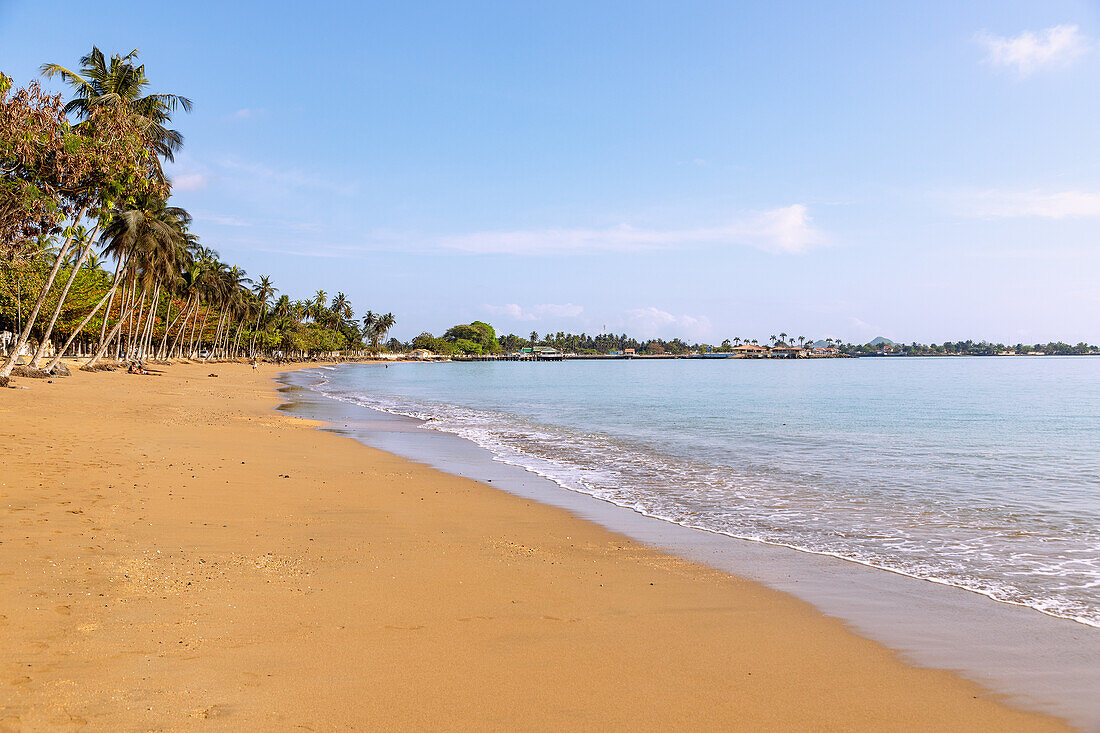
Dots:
pixel 176 555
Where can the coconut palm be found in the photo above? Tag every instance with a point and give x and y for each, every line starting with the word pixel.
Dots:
pixel 370 323
pixel 121 82
pixel 263 291
pixel 82 238
pixel 147 241
pixel 384 324
pixel 341 310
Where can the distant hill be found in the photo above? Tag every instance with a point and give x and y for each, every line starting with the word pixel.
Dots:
pixel 881 341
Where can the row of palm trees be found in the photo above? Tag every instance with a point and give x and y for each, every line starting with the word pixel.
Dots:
pixel 168 296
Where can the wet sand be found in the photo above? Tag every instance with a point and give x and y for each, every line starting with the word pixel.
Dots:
pixel 177 555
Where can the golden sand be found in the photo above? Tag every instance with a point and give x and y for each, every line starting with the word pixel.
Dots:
pixel 176 555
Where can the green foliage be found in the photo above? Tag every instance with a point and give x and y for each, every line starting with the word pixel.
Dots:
pixel 473 338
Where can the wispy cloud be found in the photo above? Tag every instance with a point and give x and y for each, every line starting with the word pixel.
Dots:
pixel 190 181
pixel 1029 52
pixel 287 177
pixel 247 113
pixel 787 230
pixel 652 322
pixel 1011 204
pixel 535 312
pixel 225 221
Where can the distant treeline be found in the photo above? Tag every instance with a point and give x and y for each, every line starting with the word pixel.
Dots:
pixel 480 338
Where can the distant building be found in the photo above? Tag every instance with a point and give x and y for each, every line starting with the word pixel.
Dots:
pixel 786 351
pixel 749 350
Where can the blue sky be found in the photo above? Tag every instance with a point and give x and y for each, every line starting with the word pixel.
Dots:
pixel 921 171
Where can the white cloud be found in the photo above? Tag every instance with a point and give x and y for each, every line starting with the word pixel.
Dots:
pixel 190 181
pixel 653 322
pixel 536 312
pixel 784 230
pixel 250 174
pixel 1010 204
pixel 1029 52
pixel 246 113
pixel 227 221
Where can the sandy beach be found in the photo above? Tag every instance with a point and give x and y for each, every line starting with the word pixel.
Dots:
pixel 177 555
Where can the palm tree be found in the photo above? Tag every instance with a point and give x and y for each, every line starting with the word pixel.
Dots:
pixel 93 262
pixel 341 309
pixel 99 83
pixel 83 239
pixel 317 307
pixel 146 239
pixel 370 327
pixel 263 291
pixel 385 323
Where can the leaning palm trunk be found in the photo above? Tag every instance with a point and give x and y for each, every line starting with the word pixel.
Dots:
pixel 237 340
pixel 217 338
pixel 134 327
pixel 147 332
pixel 255 332
pixel 107 343
pixel 183 328
pixel 168 323
pixel 196 339
pixel 162 352
pixel 25 335
pixel 125 309
pixel 61 299
pixel 124 313
pixel 76 331
pixel 110 304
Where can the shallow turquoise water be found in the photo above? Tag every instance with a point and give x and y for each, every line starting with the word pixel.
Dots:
pixel 982 473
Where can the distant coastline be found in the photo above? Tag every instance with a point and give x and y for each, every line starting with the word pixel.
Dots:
pixel 478 341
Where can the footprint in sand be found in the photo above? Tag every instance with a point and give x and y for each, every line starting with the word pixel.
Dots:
pixel 64 610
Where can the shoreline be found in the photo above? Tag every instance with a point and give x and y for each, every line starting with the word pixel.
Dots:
pixel 1038 661
pixel 181 552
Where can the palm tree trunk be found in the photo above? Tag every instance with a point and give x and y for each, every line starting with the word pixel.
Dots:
pixel 61 299
pixel 103 328
pixel 124 313
pixel 196 339
pixel 109 296
pixel 237 341
pixel 116 331
pixel 163 350
pixel 183 326
pixel 147 334
pixel 255 332
pixel 168 323
pixel 135 328
pixel 217 337
pixel 25 334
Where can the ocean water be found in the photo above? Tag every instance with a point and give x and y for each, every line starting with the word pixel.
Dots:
pixel 980 473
